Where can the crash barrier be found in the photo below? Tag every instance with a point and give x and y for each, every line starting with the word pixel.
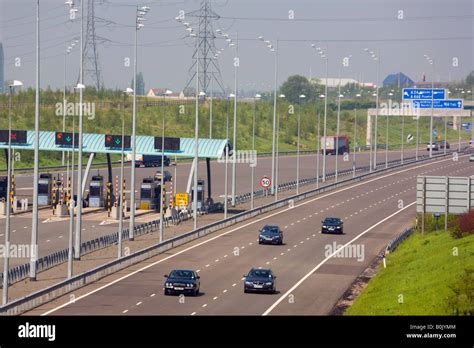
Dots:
pixel 395 242
pixel 45 295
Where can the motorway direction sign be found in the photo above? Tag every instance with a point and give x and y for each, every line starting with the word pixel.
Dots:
pixel 439 104
pixel 115 141
pixel 441 194
pixel 17 136
pixel 265 182
pixel 182 199
pixel 423 93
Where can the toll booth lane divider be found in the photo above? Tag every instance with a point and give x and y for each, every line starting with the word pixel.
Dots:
pixel 35 299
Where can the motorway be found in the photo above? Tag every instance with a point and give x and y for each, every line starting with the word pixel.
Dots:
pixel 310 277
pixel 53 233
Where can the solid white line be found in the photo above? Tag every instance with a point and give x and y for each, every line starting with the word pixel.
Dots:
pixel 285 295
pixel 239 228
pixel 193 313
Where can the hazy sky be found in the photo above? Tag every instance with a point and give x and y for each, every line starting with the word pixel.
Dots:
pixel 442 29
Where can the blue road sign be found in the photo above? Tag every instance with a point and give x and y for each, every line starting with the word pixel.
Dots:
pixel 468 127
pixel 423 93
pixel 439 104
pixel 435 133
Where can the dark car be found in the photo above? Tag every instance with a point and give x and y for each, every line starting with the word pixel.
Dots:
pixel 260 280
pixel 182 281
pixel 167 176
pixel 332 225
pixel 441 144
pixel 270 234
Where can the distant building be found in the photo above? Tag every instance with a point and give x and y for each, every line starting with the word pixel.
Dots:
pixel 164 92
pixel 2 70
pixel 334 82
pixel 398 79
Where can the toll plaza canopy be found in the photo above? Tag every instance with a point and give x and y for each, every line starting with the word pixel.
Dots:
pixel 146 145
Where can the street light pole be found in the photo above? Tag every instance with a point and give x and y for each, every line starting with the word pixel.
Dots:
pixel 77 240
pixel 377 109
pixel 139 18
pixel 71 203
pixel 273 189
pixel 302 96
pixel 338 121
pixel 34 224
pixel 325 117
pixel 6 261
pixel 277 150
pixel 236 78
pixel 196 140
pixel 226 159
pixel 162 186
pixel 386 130
pixel 252 167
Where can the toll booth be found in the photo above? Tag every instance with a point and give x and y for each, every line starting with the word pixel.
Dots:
pixel 45 189
pixel 96 191
pixel 3 187
pixel 201 194
pixel 150 192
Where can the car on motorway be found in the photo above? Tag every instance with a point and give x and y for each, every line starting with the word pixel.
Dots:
pixel 183 281
pixel 471 157
pixel 260 280
pixel 441 144
pixel 332 225
pixel 270 234
pixel 433 145
pixel 166 177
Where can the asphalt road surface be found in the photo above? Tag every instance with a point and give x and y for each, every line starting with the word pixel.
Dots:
pixel 309 281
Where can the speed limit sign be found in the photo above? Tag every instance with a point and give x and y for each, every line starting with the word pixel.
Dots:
pixel 265 182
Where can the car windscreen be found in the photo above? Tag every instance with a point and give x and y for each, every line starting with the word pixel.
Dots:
pixel 260 273
pixel 182 274
pixel 269 231
pixel 332 221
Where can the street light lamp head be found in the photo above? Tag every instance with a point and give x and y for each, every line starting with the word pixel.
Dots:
pixel 341 95
pixel 168 92
pixel 16 83
pixel 145 8
pixel 302 96
pixel 282 96
pixel 202 94
pixel 258 96
pixel 260 38
pixel 80 86
pixel 358 95
pixel 128 90
pixel 218 31
pixel 322 96
pixel 192 35
pixel 232 95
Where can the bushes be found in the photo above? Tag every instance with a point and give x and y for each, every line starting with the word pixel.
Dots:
pixel 461 302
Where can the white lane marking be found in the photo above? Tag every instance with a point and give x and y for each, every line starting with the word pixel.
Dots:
pixel 25 227
pixel 46 221
pixel 193 313
pixel 125 311
pixel 216 260
pixel 224 291
pixel 152 295
pixel 225 254
pixel 234 284
pixel 267 263
pixel 215 298
pixel 207 265
pixel 293 288
pixel 60 236
pixel 139 303
pixel 239 228
pixel 47 240
pixel 198 271
pixel 204 305
pixel 12 231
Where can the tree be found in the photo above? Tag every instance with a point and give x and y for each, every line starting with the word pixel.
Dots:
pixel 296 85
pixel 140 84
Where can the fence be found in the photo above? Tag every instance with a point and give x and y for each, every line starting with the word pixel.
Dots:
pixel 395 242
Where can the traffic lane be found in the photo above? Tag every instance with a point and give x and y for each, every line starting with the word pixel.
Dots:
pixel 315 250
pixel 323 288
pixel 175 261
pixel 287 172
